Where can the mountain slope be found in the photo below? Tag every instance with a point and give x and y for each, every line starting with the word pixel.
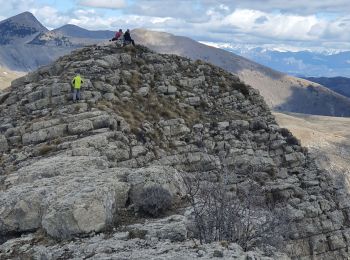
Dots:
pixel 281 92
pixel 51 39
pixel 340 85
pixel 28 57
pixel 328 138
pixel 145 120
pixel 74 31
pixel 18 29
pixel 25 44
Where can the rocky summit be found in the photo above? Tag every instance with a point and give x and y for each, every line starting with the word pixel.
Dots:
pixel 72 174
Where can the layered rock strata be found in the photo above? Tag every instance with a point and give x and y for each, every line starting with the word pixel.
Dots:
pixel 70 169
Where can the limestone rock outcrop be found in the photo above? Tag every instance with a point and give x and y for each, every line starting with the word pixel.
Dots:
pixel 74 169
pixel 155 239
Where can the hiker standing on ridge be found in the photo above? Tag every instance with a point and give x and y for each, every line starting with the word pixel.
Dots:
pixel 76 83
pixel 127 38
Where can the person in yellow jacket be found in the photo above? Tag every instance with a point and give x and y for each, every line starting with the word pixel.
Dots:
pixel 76 83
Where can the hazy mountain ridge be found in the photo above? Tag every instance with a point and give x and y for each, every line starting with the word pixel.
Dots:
pixel 51 39
pixel 29 57
pixel 18 28
pixel 340 85
pixel 71 30
pixel 304 63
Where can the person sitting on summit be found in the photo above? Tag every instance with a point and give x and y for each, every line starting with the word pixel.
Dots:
pixel 127 38
pixel 118 35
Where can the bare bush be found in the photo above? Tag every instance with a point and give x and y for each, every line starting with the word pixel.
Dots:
pixel 242 217
pixel 154 200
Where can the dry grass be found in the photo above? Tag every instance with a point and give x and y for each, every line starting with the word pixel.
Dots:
pixel 78 107
pixel 134 81
pixel 328 138
pixel 104 105
pixel 56 141
pixel 130 49
pixel 139 62
pixel 46 148
pixel 153 108
pixel 7 76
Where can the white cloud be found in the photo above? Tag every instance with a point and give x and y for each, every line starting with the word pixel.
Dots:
pixel 238 26
pixel 13 7
pixel 50 16
pixel 276 26
pixel 255 22
pixel 294 6
pixel 111 4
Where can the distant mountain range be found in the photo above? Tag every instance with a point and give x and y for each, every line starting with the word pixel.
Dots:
pixel 316 63
pixel 20 29
pixel 74 31
pixel 27 44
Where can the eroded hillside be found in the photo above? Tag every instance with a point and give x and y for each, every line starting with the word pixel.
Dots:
pixel 69 170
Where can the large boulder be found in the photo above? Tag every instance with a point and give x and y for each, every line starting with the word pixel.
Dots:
pixel 65 196
pixel 82 208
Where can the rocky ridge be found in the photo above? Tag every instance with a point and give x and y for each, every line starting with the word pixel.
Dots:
pixel 73 169
pixel 280 91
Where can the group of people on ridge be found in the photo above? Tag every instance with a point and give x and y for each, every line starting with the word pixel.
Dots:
pixel 125 37
pixel 78 81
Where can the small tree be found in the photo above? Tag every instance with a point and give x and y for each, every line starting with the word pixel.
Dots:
pixel 219 215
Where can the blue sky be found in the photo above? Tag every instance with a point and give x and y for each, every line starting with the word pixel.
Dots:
pixel 296 23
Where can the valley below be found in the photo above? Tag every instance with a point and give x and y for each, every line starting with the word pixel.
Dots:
pixel 327 138
pixel 6 76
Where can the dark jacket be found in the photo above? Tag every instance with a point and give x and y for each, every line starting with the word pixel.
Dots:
pixel 127 36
